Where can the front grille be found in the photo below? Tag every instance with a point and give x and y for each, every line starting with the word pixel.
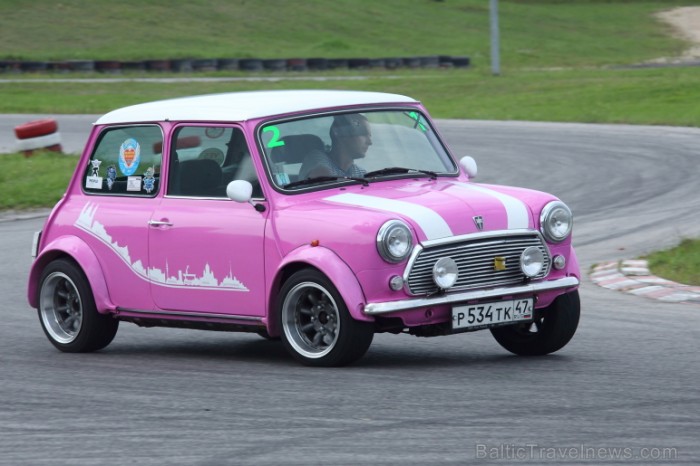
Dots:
pixel 475 260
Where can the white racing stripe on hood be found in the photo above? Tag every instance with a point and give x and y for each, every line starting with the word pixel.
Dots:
pixel 432 224
pixel 517 212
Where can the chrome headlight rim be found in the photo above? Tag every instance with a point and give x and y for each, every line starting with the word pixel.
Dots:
pixel 549 211
pixel 388 231
pixel 445 273
pixel 532 268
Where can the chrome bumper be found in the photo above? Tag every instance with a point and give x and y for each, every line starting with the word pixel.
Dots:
pixel 406 304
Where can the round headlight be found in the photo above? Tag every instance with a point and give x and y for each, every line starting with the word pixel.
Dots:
pixel 556 221
pixel 394 241
pixel 445 272
pixel 531 261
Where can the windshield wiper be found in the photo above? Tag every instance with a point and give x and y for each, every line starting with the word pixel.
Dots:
pixel 398 171
pixel 322 179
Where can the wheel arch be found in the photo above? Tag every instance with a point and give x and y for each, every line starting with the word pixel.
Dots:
pixel 329 264
pixel 76 250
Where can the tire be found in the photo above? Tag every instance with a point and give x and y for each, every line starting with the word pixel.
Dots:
pixel 67 310
pixel 550 331
pixel 317 329
pixel 33 129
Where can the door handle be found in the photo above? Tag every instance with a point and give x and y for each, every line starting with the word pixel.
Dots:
pixel 159 223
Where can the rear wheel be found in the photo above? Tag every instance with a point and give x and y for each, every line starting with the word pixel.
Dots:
pixel 317 328
pixel 551 329
pixel 67 310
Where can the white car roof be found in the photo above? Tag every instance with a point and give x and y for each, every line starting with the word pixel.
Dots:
pixel 241 106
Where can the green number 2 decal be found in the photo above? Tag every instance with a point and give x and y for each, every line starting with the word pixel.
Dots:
pixel 275 140
pixel 418 119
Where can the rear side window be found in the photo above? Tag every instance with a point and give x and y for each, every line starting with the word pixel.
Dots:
pixel 126 161
pixel 205 159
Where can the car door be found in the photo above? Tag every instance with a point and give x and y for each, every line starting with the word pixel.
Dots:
pixel 122 187
pixel 206 251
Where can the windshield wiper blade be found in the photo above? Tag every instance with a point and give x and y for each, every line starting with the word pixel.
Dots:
pixel 322 179
pixel 398 171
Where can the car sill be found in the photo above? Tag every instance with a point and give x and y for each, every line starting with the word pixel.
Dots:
pixel 403 305
pixel 187 315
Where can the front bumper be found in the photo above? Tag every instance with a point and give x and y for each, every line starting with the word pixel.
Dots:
pixel 416 303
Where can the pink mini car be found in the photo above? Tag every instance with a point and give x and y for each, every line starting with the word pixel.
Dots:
pixel 317 217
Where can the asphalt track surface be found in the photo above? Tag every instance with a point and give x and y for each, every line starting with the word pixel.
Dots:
pixel 626 390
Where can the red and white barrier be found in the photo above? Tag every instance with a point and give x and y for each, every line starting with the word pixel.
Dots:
pixel 38 134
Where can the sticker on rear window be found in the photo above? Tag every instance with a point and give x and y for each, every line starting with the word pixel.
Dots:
pixel 129 156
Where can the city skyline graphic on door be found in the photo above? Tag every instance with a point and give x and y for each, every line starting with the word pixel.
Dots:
pixel 177 278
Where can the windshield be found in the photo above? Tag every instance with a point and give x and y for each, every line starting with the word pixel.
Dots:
pixel 353 147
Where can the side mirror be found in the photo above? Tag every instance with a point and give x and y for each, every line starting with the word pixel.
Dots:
pixel 469 165
pixel 239 191
pixel 242 191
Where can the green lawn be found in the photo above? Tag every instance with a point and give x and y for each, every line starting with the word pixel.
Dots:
pixel 559 60
pixel 666 96
pixel 535 33
pixel 36 181
pixel 680 264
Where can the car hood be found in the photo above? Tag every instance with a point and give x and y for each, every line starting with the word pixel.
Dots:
pixel 435 209
pixel 441 209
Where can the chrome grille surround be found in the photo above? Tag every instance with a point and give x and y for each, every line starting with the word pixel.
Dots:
pixel 475 255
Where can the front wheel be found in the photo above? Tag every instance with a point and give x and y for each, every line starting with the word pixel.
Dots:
pixel 550 331
pixel 317 328
pixel 67 310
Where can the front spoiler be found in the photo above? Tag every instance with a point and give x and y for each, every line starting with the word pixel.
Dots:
pixel 406 304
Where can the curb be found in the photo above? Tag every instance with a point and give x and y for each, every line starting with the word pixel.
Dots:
pixel 633 276
pixel 14 215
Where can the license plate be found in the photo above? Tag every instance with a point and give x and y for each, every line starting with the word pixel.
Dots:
pixel 483 315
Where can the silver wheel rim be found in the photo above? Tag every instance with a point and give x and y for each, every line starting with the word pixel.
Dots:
pixel 310 320
pixel 61 308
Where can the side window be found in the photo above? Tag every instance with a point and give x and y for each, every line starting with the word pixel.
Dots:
pixel 125 161
pixel 204 159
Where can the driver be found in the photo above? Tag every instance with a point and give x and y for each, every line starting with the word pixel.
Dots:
pixel 351 137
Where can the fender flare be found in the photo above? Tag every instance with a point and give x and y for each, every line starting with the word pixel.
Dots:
pixel 333 267
pixel 78 250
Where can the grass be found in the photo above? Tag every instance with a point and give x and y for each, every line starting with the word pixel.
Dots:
pixel 36 181
pixel 664 96
pixel 558 56
pixel 680 264
pixel 535 33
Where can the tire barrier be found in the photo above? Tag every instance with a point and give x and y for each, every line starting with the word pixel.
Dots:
pixel 411 62
pixel 317 64
pixel 10 66
pixel 275 64
pixel 188 65
pixel 157 65
pixel 108 66
pixel 133 66
pixel 228 64
pixel 297 64
pixel 59 67
pixel 358 63
pixel 392 63
pixel 182 65
pixel 205 64
pixel 82 66
pixel 251 64
pixel 34 66
pixel 430 62
pixel 338 64
pixel 38 134
pixel 377 63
